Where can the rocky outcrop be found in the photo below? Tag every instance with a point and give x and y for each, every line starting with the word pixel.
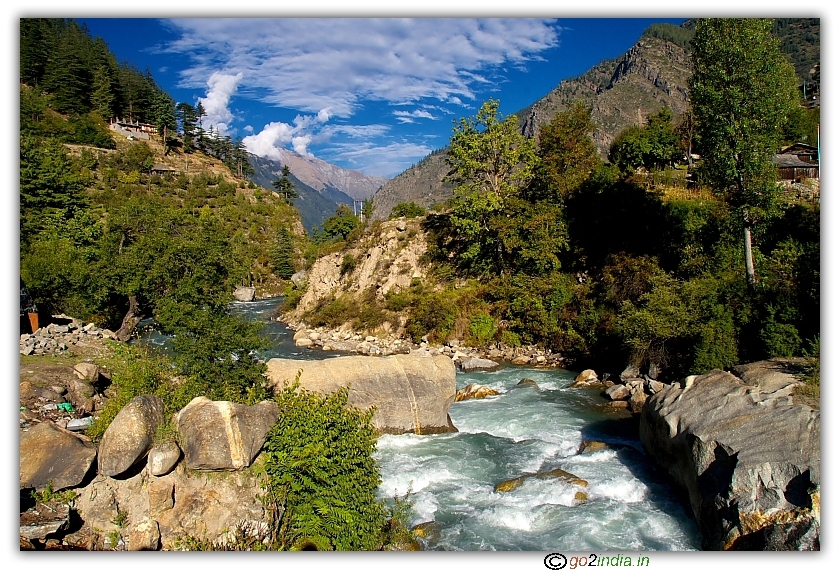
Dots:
pixel 42 520
pixel 160 512
pixel 51 454
pixel 475 392
pixel 223 435
pixel 747 458
pixel 245 294
pixel 411 393
pixel 130 436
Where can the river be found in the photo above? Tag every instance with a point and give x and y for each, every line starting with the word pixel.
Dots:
pixel 450 478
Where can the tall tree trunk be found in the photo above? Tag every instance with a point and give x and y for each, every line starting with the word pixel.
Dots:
pixel 748 258
pixel 132 317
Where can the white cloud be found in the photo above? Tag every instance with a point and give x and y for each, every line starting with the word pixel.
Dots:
pixel 220 88
pixel 248 129
pixel 277 135
pixel 313 64
pixel 379 160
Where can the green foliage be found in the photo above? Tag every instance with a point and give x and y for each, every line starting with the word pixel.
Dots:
pixel 340 224
pixel 49 495
pixel 675 34
pixel 491 162
pixel 742 89
pixel 348 264
pixel 408 210
pixel 283 254
pixel 135 370
pixel 654 146
pixel 322 478
pixel 285 187
pixel 567 153
pixel 482 329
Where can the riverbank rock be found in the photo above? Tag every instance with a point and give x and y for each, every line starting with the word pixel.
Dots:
pixel 475 392
pixel 160 512
pixel 411 393
pixel 586 378
pixel 747 458
pixel 473 364
pixel 49 453
pixel 511 484
pixel 617 392
pixel 245 294
pixel 130 436
pixel 223 435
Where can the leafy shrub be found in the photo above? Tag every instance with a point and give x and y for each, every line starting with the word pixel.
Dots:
pixel 482 329
pixel 348 264
pixel 407 209
pixel 322 478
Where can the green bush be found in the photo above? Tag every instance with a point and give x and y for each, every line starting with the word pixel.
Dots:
pixel 408 210
pixel 348 264
pixel 322 478
pixel 482 329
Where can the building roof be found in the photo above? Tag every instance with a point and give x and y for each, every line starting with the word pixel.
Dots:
pixel 791 161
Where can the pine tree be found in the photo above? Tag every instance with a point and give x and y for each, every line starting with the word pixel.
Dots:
pixel 285 187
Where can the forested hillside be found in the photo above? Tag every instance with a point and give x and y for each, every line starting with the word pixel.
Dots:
pixel 642 259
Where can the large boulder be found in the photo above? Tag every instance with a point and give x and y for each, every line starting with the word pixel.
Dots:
pixel 49 453
pixel 223 435
pixel 245 294
pixel 747 458
pixel 411 393
pixel 131 435
pixel 474 363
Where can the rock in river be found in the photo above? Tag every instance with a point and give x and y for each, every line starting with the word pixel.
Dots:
pixel 411 393
pixel 747 458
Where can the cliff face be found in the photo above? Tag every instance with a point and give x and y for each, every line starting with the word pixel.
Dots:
pixel 422 184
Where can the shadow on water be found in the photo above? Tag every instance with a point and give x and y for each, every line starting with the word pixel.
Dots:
pixel 622 433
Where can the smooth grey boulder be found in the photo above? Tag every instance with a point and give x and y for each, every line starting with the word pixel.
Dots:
pixel 412 393
pixel 245 294
pixel 130 436
pixel 49 453
pixel 163 458
pixel 223 436
pixel 747 458
pixel 473 364
pixel 586 378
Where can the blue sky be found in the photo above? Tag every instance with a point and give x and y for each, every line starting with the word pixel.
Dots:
pixel 374 95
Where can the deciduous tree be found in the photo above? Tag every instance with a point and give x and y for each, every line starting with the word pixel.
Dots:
pixel 742 91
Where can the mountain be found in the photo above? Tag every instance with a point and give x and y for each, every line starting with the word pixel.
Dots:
pixel 323 176
pixel 622 91
pixel 314 206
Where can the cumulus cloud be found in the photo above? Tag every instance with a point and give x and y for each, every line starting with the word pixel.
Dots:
pixel 220 88
pixel 406 117
pixel 277 135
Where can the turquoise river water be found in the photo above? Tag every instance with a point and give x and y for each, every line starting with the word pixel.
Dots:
pixel 450 478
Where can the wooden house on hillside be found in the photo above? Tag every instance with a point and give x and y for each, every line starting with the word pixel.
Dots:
pixel 797 161
pixel 133 130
